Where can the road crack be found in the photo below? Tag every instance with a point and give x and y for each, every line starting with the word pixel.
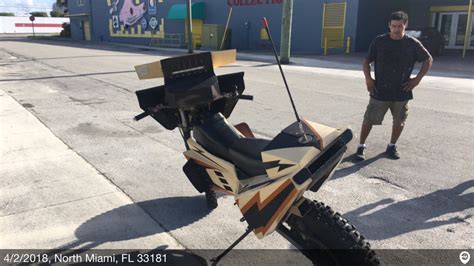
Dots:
pixel 386 180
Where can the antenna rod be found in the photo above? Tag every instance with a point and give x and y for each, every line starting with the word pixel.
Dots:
pixel 265 25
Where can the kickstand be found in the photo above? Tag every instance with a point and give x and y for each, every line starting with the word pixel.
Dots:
pixel 215 260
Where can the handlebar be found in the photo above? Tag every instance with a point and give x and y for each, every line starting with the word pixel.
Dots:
pixel 145 114
pixel 141 116
pixel 245 97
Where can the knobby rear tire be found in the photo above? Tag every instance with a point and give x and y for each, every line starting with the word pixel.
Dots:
pixel 326 238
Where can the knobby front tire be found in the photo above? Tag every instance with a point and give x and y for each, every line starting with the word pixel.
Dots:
pixel 326 238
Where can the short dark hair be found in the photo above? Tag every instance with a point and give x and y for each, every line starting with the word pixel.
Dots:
pixel 399 15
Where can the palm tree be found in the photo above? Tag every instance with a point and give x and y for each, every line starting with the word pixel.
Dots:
pixel 62 5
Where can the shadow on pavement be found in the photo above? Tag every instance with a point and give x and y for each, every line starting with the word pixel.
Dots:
pixel 343 172
pixel 413 214
pixel 118 225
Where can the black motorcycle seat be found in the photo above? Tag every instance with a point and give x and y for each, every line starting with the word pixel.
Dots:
pixel 216 135
pixel 246 154
pixel 221 139
pixel 250 147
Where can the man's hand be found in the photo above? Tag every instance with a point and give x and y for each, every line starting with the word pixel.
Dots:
pixel 411 84
pixel 370 82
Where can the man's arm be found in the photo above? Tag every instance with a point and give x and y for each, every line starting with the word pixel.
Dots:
pixel 421 54
pixel 412 83
pixel 369 81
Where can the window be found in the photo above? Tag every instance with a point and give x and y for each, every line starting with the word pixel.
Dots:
pixel 80 2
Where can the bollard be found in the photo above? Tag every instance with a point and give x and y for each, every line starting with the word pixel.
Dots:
pixel 348 45
pixel 325 46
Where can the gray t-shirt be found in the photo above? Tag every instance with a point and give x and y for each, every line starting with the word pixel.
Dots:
pixel 394 61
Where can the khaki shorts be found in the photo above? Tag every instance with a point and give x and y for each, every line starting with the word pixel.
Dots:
pixel 376 111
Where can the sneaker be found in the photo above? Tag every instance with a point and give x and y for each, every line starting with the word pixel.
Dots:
pixel 392 152
pixel 360 153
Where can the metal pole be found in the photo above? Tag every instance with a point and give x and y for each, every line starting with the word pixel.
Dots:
pixel 468 29
pixel 325 46
pixel 267 28
pixel 218 258
pixel 90 18
pixel 226 27
pixel 285 42
pixel 189 23
pixel 33 27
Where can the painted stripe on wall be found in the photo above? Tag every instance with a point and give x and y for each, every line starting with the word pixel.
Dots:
pixel 39 25
pixel 448 8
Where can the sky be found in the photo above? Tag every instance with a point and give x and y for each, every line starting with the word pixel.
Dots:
pixel 23 7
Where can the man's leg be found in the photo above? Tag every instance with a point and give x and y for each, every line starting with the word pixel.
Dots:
pixel 399 112
pixel 373 116
pixel 392 151
pixel 364 132
pixel 396 132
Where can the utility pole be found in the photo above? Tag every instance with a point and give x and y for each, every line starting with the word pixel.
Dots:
pixel 189 22
pixel 468 29
pixel 286 21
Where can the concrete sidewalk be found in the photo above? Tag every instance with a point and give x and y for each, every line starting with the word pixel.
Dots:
pixel 50 197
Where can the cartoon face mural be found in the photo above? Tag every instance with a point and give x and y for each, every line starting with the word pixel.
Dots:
pixel 144 23
pixel 114 6
pixel 152 7
pixel 136 18
pixel 130 14
pixel 153 23
pixel 115 22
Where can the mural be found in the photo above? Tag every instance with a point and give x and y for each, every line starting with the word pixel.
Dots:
pixel 135 18
pixel 152 7
pixel 130 13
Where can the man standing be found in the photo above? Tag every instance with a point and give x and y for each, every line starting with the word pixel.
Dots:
pixel 394 54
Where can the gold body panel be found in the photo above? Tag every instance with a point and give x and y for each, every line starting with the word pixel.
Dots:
pixel 154 70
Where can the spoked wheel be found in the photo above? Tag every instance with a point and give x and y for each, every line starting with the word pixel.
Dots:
pixel 326 238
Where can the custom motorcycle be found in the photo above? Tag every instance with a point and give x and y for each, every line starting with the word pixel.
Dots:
pixel 267 177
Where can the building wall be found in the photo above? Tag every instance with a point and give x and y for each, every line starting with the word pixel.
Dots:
pixel 373 18
pixel 419 10
pixel 370 25
pixel 76 29
pixel 76 22
pixel 246 20
pixel 102 14
pixel 245 24
pixel 307 25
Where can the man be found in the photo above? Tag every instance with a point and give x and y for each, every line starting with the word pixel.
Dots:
pixel 394 54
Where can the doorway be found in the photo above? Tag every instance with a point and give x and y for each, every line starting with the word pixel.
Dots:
pixel 87 30
pixel 453 28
